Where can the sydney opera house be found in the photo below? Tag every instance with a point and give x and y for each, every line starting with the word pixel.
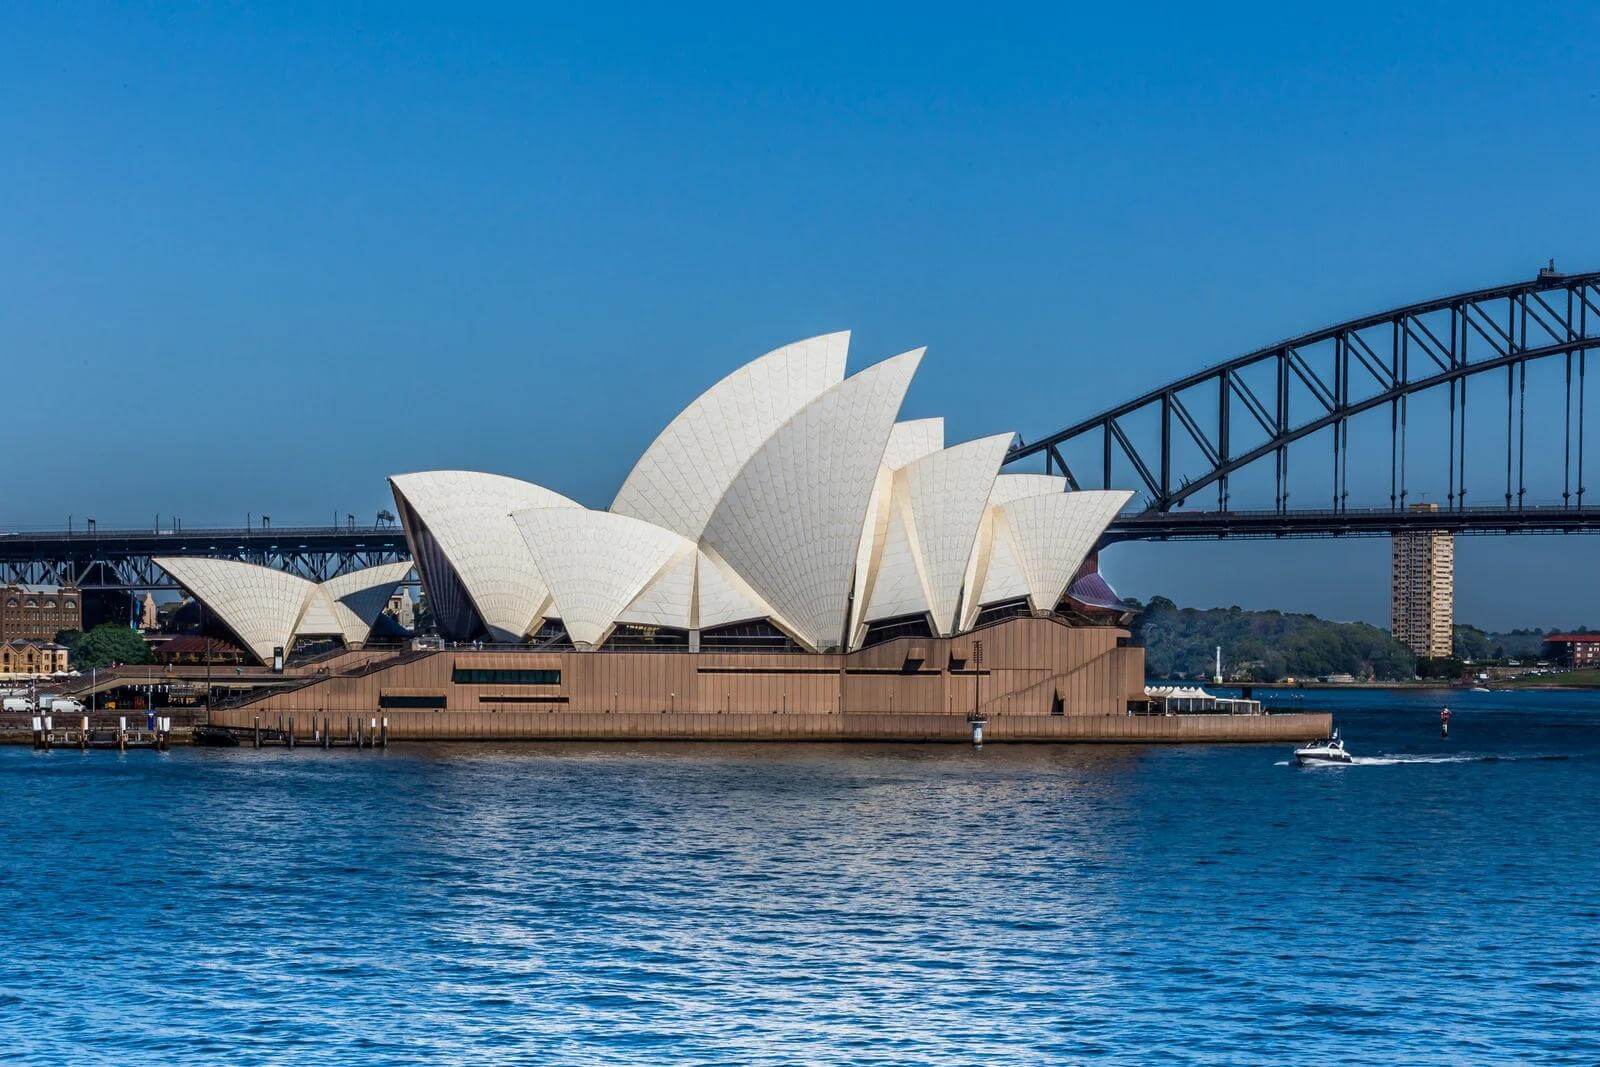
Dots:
pixel 786 559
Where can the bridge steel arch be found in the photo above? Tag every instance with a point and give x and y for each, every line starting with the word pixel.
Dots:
pixel 1395 354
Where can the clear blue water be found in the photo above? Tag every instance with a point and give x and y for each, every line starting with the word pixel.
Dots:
pixel 817 904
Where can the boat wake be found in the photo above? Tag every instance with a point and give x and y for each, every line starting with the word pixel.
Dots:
pixel 1400 758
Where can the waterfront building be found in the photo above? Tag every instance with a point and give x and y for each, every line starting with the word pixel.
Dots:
pixel 787 559
pixel 1572 650
pixel 39 612
pixel 1422 591
pixel 22 658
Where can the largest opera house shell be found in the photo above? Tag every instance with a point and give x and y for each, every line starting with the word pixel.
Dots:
pixel 786 497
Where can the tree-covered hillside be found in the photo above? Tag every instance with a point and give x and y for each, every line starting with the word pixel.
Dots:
pixel 1264 646
pixel 1474 644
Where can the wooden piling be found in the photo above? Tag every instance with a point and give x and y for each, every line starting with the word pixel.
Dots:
pixel 386 731
pixel 257 731
pixel 291 732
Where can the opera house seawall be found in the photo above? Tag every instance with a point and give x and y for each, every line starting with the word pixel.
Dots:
pixel 786 560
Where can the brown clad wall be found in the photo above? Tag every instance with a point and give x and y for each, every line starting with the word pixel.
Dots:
pixel 1029 668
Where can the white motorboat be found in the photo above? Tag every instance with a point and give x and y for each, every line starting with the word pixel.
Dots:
pixel 1326 751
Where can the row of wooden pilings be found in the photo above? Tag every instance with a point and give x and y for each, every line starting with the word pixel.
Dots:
pixel 83 738
pixel 374 733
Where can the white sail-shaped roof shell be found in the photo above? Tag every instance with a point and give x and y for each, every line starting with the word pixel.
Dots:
pixel 945 495
pixel 723 598
pixel 687 470
pixel 936 509
pixel 467 515
pixel 268 609
pixel 357 599
pixel 695 591
pixel 909 440
pixel 669 598
pixel 595 563
pixel 791 521
pixel 893 587
pixel 260 605
pixel 1009 487
pixel 1052 534
pixel 994 574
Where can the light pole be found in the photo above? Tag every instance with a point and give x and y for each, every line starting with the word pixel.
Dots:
pixel 977 673
pixel 205 650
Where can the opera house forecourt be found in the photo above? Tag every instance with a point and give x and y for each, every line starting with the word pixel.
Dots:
pixel 785 561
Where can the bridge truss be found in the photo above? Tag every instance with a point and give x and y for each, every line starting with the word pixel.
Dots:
pixel 124 559
pixel 1251 409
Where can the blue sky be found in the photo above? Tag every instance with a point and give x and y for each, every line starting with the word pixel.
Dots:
pixel 257 258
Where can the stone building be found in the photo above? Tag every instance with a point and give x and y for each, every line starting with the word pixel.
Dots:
pixel 39 612
pixel 22 658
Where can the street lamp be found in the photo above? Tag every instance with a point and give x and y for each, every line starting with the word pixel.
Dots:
pixel 977 673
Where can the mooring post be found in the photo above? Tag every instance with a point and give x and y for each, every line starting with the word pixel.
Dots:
pixel 291 731
pixel 325 729
pixel 257 731
pixel 386 731
pixel 372 733
pixel 122 733
pixel 38 732
pixel 349 729
pixel 83 736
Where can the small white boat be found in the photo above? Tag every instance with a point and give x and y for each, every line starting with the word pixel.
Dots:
pixel 1327 750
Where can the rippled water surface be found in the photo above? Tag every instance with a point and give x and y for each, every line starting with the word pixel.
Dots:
pixel 1440 901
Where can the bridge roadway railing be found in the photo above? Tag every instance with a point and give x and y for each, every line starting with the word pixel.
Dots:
pixel 1349 522
pixel 123 559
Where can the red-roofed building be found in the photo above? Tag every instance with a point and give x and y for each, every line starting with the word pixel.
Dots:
pixel 1573 650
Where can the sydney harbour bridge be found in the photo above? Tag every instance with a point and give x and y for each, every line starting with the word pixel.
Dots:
pixel 1402 379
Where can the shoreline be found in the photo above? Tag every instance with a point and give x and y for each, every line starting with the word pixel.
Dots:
pixel 869 728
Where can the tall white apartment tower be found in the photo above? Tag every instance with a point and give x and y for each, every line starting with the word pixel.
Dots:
pixel 1422 592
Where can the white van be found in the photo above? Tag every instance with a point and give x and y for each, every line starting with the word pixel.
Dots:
pixel 19 704
pixel 67 706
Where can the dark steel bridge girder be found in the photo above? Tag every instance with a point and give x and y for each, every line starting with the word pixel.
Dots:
pixel 1474 319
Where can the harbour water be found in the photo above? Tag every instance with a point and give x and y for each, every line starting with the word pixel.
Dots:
pixel 1439 901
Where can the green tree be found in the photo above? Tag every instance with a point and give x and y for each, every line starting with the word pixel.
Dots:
pixel 106 644
pixel 1264 645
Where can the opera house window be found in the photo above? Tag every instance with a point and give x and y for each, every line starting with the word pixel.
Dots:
pixel 504 676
